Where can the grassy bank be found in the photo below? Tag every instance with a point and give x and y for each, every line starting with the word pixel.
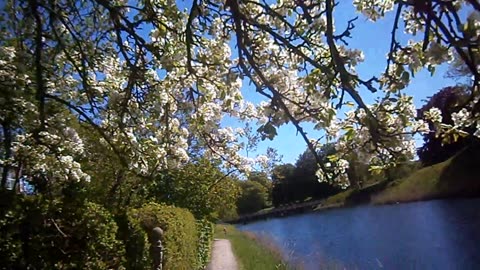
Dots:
pixel 252 252
pixel 456 177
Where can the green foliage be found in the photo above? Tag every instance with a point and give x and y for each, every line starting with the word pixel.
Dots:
pixel 180 237
pixel 199 187
pixel 11 216
pixel 282 172
pixel 97 227
pixel 254 197
pixel 51 234
pixel 261 178
pixel 205 239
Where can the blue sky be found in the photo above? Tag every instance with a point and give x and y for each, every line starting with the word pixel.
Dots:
pixel 374 40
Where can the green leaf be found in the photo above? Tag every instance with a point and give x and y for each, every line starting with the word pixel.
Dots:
pixel 333 158
pixel 455 137
pixel 228 103
pixel 375 170
pixel 393 99
pixel 405 76
pixel 331 113
pixel 267 131
pixel 350 134
pixel 270 131
pixel 399 70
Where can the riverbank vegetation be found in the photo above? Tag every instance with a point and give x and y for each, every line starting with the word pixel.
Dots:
pixel 252 251
pixel 455 177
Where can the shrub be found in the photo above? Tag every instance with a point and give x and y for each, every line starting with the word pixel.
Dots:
pixel 180 237
pixel 205 237
pixel 50 234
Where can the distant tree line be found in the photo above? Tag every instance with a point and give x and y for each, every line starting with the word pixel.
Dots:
pixel 296 183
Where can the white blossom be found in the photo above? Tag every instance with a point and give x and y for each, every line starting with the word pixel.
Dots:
pixel 461 118
pixel 434 115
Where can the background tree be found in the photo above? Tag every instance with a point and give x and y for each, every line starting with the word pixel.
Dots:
pixel 304 179
pixel 200 187
pixel 281 175
pixel 436 149
pixel 253 197
pixel 295 183
pixel 263 179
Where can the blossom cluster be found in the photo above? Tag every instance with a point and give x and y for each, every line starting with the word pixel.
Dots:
pixel 153 79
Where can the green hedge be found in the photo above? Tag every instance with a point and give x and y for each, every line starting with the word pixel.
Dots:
pixel 180 237
pixel 205 238
pixel 50 234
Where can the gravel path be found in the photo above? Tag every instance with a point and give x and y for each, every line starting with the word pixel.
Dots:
pixel 222 256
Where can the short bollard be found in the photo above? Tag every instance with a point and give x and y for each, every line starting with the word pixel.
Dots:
pixel 156 248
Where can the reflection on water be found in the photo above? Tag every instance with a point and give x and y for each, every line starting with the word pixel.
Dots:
pixel 442 234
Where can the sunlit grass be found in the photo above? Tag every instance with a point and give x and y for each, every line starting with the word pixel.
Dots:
pixel 455 177
pixel 252 252
pixel 420 185
pixel 337 199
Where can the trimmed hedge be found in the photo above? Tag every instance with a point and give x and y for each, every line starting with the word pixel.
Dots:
pixel 180 237
pixel 205 238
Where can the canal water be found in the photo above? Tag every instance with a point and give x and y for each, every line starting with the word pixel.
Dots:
pixel 440 234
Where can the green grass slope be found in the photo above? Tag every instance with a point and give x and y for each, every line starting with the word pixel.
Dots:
pixel 458 176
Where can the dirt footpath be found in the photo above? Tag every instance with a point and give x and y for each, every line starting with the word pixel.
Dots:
pixel 222 256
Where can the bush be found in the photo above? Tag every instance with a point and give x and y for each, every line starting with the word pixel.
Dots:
pixel 180 237
pixel 50 234
pixel 205 237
